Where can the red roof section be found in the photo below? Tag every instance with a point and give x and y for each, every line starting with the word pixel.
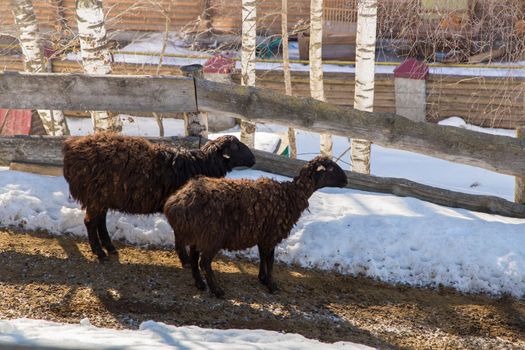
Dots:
pixel 15 122
pixel 412 69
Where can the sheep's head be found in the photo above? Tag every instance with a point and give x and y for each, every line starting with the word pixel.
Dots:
pixel 325 173
pixel 234 152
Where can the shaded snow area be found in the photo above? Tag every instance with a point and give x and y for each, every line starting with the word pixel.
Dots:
pixel 393 239
pixel 153 335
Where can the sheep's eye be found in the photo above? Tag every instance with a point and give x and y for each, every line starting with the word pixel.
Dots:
pixel 234 147
pixel 331 168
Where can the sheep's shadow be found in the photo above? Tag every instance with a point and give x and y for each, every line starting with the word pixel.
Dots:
pixel 132 293
pixel 315 304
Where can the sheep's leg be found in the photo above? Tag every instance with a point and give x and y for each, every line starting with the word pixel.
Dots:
pixel 103 234
pixel 194 258
pixel 182 253
pixel 270 283
pixel 205 264
pixel 262 265
pixel 90 221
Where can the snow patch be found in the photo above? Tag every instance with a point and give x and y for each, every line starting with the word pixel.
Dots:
pixel 393 239
pixel 153 335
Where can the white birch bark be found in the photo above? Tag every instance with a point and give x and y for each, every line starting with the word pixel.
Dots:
pixel 287 74
pixel 316 64
pixel 364 77
pixel 54 121
pixel 249 36
pixel 96 57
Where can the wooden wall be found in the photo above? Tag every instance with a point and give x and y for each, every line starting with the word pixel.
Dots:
pixel 142 15
pixel 139 15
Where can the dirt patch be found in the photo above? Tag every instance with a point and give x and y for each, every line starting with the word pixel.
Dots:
pixel 58 279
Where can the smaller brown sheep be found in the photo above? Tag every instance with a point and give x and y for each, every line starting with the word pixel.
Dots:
pixel 212 214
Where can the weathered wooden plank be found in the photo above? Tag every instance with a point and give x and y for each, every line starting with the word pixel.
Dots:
pixel 84 92
pixel 48 149
pixel 400 187
pixel 497 153
pixel 145 93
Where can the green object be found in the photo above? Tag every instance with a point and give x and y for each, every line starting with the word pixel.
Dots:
pixel 286 152
pixel 267 48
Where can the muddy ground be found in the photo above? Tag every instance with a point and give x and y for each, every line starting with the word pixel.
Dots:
pixel 58 279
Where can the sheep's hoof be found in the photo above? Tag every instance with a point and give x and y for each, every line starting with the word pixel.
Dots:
pixel 262 278
pixel 219 293
pixel 272 287
pixel 113 251
pixel 103 258
pixel 200 285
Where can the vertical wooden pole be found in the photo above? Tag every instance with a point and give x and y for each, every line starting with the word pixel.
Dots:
pixel 195 124
pixel 519 191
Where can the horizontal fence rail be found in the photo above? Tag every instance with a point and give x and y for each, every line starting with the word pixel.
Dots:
pixel 121 93
pixel 164 94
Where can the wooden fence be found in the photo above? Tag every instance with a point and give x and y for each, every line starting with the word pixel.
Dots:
pixel 78 91
pixel 484 101
pixel 167 94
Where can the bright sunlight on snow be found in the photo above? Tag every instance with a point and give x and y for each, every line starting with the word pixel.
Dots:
pixel 393 239
pixel 153 335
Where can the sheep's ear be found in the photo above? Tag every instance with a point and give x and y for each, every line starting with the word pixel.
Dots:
pixel 320 168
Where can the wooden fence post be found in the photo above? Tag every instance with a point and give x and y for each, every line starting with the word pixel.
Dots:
pixel 519 191
pixel 219 68
pixel 195 124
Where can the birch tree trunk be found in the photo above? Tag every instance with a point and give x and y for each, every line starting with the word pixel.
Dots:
pixel 249 37
pixel 364 77
pixel 287 75
pixel 96 57
pixel 54 121
pixel 316 64
pixel 519 189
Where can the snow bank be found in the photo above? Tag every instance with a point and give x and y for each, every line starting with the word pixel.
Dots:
pixel 152 335
pixel 393 239
pixel 460 123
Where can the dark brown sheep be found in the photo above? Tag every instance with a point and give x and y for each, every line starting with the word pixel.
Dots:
pixel 129 174
pixel 213 214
